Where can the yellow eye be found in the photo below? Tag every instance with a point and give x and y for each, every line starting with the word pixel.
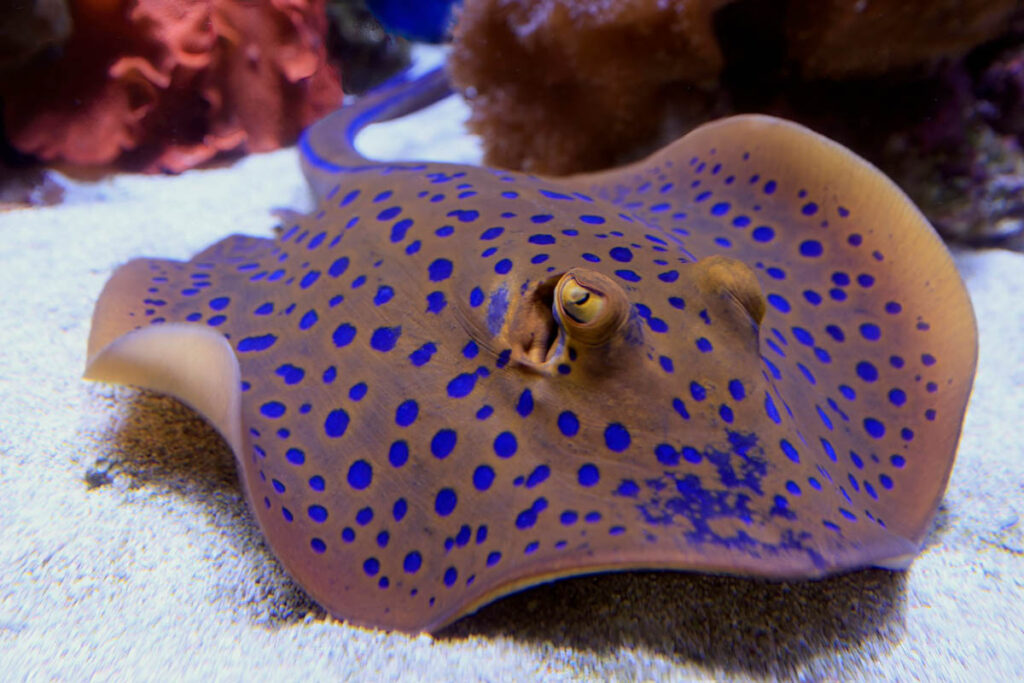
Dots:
pixel 591 307
pixel 581 304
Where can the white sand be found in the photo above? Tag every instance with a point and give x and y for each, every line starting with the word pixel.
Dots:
pixel 158 573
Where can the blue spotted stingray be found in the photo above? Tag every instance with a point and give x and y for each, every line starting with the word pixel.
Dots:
pixel 748 353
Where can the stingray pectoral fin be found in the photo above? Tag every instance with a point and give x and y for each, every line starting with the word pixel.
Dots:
pixel 185 360
pixel 189 361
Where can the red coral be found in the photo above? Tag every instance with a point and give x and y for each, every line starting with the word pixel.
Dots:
pixel 164 85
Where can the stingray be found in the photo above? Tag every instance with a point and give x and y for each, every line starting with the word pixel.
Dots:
pixel 748 353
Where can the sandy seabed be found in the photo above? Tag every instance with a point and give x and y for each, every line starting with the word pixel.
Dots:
pixel 127 552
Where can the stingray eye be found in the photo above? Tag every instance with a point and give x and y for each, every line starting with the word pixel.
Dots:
pixel 583 305
pixel 591 306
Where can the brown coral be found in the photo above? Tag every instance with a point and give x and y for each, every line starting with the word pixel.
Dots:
pixel 167 84
pixel 840 38
pixel 560 86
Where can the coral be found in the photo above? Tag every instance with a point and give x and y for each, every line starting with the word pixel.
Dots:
pixel 558 85
pixel 164 85
pixel 27 28
pixel 840 38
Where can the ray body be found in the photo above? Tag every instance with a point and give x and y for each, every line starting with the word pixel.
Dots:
pixel 426 416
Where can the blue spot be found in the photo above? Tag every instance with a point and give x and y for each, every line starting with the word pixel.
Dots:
pixel 317 513
pixel 848 393
pixel 616 437
pixel 462 385
pixel 568 518
pixel 666 455
pixel 763 234
pixel 309 278
pixel 384 295
pixel 412 562
pixel 680 407
pixel 525 405
pixel 769 187
pixel 443 443
pixel 389 213
pixel 927 359
pixel 591 257
pixel 422 355
pixel 399 229
pixel 588 475
pixel 666 364
pixel 704 345
pixel 483 477
pixel 526 519
pixel 493 558
pixel 789 450
pixel 406 413
pixel 360 474
pixel 336 423
pixel 260 343
pixel 676 302
pixel 385 338
pixel 398 453
pixel 897 397
pixel 290 373
pixel 657 325
pixel 219 303
pixel 669 276
pixel 476 297
pixel 343 335
pixel 809 209
pixel 698 392
pixel 295 456
pixel 308 319
pixel 725 412
pixel 445 502
pixel 720 209
pixel 436 302
pixel 272 409
pixel 440 269
pixel 364 516
pixel 591 219
pixel 866 371
pixel 568 423
pixel 491 233
pixel 464 215
pixel 736 390
pixel 621 254
pixel 541 218
pixel 357 391
pixel 503 266
pixel 892 308
pixel 628 275
pixel 770 410
pixel 505 445
pixel 371 566
pixel 318 545
pixel 779 303
pixel 874 428
pixel 541 238
pixel 870 331
pixel 537 476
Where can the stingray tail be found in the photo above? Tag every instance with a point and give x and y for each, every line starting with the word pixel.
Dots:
pixel 327 148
